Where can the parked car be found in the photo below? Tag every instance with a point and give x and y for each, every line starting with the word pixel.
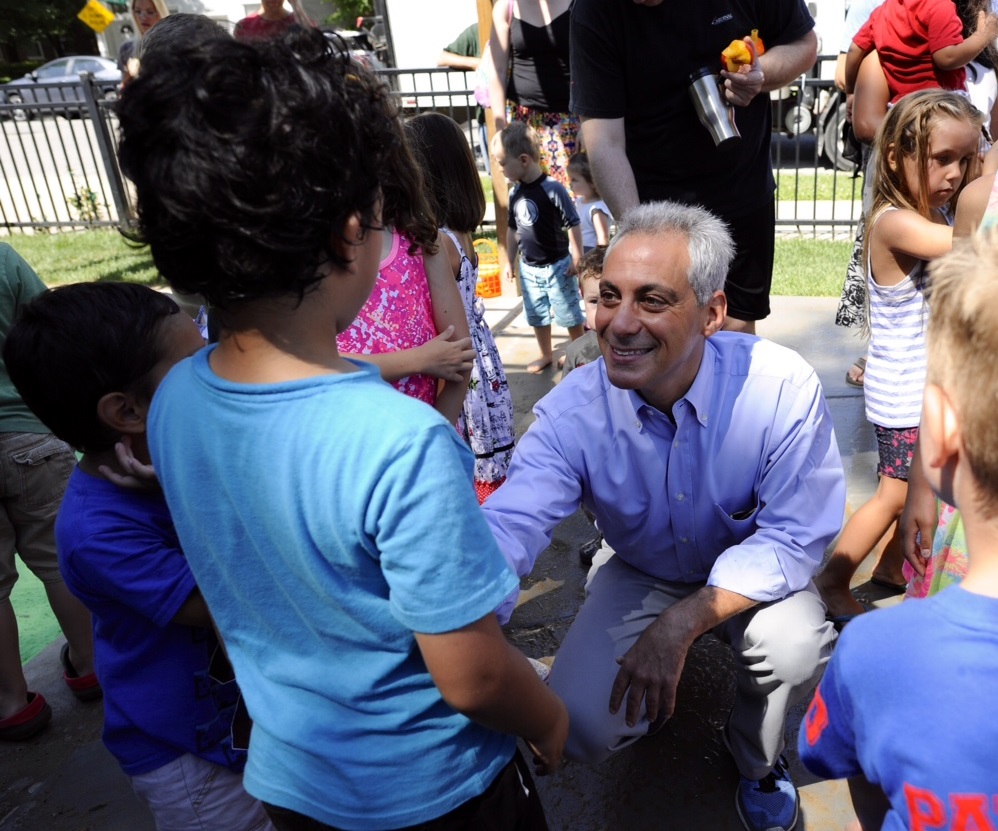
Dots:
pixel 58 83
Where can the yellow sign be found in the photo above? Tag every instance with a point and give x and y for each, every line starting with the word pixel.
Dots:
pixel 96 16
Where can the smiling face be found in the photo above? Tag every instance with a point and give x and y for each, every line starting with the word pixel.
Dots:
pixel 650 327
pixel 953 144
pixel 145 14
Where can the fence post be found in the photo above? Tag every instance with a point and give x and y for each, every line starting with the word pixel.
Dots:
pixel 106 146
pixel 500 191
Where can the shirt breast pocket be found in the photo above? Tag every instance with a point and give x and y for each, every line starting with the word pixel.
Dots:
pixel 736 526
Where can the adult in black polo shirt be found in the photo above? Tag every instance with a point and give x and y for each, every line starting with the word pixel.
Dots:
pixel 631 62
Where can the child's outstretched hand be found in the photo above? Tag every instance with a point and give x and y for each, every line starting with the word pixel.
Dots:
pixel 447 359
pixel 136 476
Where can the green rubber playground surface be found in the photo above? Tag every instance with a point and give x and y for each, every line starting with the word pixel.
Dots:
pixel 36 625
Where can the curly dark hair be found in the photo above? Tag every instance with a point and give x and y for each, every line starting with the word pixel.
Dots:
pixel 248 159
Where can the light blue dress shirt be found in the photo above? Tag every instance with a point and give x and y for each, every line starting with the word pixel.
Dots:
pixel 744 491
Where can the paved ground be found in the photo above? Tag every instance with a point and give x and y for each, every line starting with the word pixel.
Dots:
pixel 64 780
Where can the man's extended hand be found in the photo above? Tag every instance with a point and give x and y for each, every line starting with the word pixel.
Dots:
pixel 650 671
pixel 742 86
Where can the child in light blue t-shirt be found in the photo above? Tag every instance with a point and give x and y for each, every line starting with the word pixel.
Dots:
pixel 329 519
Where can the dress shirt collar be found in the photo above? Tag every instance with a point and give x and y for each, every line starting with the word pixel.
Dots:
pixel 698 396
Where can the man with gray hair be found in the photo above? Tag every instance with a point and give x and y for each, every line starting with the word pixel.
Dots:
pixel 709 461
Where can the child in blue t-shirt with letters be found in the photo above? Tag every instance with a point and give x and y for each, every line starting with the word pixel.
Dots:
pixel 329 519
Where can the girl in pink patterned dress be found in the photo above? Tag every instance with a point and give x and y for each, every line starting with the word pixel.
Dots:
pixel 413 327
pixel 455 192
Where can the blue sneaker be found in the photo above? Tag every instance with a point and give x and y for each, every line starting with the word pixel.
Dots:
pixel 770 803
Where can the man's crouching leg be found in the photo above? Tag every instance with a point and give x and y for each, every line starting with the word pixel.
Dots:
pixel 780 651
pixel 620 603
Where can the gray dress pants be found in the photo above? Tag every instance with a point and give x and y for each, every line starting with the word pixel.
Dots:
pixel 780 650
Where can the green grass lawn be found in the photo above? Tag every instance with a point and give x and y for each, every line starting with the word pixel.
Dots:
pixel 83 256
pixel 805 186
pixel 810 267
pixel 792 186
pixel 803 267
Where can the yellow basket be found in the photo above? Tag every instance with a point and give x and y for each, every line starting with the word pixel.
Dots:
pixel 489 278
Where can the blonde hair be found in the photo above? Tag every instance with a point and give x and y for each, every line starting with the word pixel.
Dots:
pixel 519 139
pixel 160 7
pixel 962 341
pixel 905 134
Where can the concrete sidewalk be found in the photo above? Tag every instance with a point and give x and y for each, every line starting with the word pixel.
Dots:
pixel 64 780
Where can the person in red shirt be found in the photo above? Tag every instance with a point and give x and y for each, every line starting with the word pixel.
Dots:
pixel 920 44
pixel 272 20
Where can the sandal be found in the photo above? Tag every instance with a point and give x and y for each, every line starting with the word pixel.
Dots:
pixel 86 687
pixel 29 721
pixel 860 364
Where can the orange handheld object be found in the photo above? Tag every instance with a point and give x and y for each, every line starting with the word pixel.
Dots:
pixel 738 54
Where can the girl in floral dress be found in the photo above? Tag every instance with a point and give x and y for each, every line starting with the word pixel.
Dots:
pixel 455 193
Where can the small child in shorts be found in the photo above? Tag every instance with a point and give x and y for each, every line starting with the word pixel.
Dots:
pixel 540 209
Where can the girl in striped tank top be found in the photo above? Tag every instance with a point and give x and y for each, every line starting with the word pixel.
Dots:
pixel 927 150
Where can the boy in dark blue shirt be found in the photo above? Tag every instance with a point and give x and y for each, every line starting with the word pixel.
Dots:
pixel 87 359
pixel 540 210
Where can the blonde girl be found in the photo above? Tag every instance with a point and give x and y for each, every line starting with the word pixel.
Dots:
pixel 145 15
pixel 927 150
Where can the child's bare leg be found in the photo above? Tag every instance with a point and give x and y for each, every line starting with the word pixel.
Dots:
pixel 862 532
pixel 543 335
pixel 576 332
pixel 887 571
pixel 13 689
pixel 74 620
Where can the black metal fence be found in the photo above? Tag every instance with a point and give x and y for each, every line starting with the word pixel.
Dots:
pixel 58 153
pixel 59 163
